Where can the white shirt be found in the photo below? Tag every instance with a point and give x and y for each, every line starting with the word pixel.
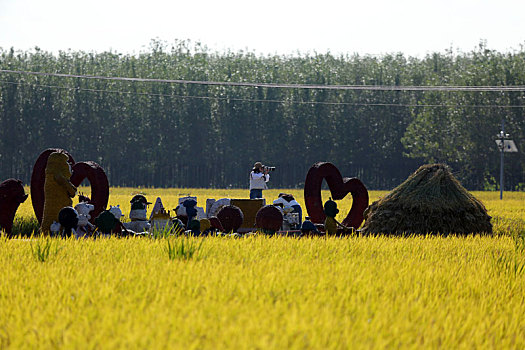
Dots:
pixel 258 181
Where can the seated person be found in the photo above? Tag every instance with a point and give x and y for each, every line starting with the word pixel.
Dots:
pixel 288 200
pixel 308 227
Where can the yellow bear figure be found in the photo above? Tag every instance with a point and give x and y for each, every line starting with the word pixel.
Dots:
pixel 58 190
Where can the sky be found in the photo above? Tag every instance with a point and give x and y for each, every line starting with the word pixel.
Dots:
pixel 285 27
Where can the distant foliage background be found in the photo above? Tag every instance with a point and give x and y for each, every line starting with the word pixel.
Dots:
pixel 188 135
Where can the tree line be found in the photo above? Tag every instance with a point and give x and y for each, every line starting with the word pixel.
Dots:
pixel 147 133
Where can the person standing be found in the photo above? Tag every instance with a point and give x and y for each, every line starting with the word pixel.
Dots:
pixel 258 178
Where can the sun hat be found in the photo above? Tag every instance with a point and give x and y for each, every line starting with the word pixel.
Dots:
pixel 258 165
pixel 139 198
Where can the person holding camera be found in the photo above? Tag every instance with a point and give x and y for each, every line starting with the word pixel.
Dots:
pixel 258 178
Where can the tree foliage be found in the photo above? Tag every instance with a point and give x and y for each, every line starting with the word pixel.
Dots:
pixel 195 135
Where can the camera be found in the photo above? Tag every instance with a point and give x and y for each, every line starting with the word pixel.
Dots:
pixel 269 168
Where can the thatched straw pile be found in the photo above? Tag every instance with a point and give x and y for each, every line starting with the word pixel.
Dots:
pixel 430 201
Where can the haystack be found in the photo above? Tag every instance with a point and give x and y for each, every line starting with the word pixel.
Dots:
pixel 430 201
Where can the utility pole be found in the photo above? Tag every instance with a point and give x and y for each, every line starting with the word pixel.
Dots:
pixel 504 145
pixel 502 136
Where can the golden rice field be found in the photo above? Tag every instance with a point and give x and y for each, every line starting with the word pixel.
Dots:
pixel 267 292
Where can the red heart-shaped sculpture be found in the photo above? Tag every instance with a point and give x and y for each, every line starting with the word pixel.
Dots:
pixel 80 171
pixel 339 188
pixel 99 184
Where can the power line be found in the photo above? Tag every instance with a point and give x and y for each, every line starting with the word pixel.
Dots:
pixel 355 104
pixel 274 85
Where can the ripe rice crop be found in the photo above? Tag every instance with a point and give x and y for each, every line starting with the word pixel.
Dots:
pixel 267 292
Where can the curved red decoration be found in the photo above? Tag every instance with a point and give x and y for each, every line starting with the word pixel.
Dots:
pixel 231 218
pixel 11 196
pixel 216 223
pixel 99 184
pixel 38 177
pixel 269 218
pixel 339 188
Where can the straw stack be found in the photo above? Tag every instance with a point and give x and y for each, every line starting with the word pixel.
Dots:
pixel 430 201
